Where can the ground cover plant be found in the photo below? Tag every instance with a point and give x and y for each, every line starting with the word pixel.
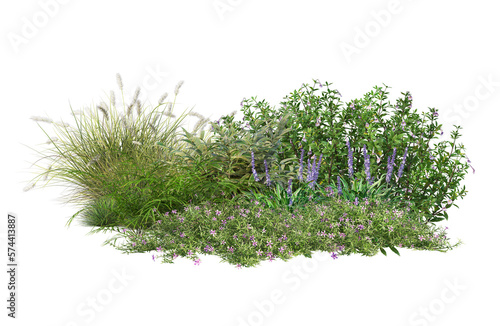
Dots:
pixel 375 177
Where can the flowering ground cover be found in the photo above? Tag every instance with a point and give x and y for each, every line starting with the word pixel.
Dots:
pixel 374 180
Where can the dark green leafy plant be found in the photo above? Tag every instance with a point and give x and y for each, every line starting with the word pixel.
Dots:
pixel 225 158
pixel 322 124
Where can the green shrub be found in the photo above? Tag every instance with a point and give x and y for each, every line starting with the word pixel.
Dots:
pixel 321 124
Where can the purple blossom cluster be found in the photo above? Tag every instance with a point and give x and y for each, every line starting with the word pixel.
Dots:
pixel 390 166
pixel 313 171
pixel 401 167
pixel 255 175
pixel 367 165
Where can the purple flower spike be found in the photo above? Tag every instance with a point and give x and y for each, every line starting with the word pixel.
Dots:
pixel 367 165
pixel 339 187
pixel 289 191
pixel 390 166
pixel 268 178
pixel 400 172
pixel 255 175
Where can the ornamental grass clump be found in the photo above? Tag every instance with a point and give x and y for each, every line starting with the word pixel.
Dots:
pixel 117 160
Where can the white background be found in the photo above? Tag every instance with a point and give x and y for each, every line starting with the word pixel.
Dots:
pixel 57 53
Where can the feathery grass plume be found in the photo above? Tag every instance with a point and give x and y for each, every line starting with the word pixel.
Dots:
pixel 42 119
pixel 104 111
pixel 77 112
pixel 136 94
pixel 233 113
pixel 138 107
pixel 200 124
pixel 124 121
pixel 155 119
pixel 112 98
pixel 51 140
pixel 162 98
pixel 47 173
pixel 178 86
pixel 63 124
pixel 196 114
pixel 136 142
pixel 94 160
pixel 169 108
pixel 104 105
pixel 119 81
pixel 29 187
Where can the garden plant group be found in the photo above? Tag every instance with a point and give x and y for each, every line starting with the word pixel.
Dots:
pixel 318 174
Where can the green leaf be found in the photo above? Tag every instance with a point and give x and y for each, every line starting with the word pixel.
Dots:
pixel 394 250
pixel 383 251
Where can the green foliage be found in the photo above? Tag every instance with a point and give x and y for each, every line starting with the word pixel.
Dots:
pixel 360 189
pixel 321 124
pixel 245 234
pixel 225 157
pixel 278 198
pixel 125 157
pixel 129 170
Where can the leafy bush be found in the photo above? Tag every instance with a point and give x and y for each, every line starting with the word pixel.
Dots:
pixel 322 124
pixel 225 158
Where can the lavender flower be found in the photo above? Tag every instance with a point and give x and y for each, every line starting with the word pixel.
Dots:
pixel 308 170
pixel 400 172
pixel 338 185
pixel 390 166
pixel 350 159
pixel 289 191
pixel 268 178
pixel 356 202
pixel 367 165
pixel 255 175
